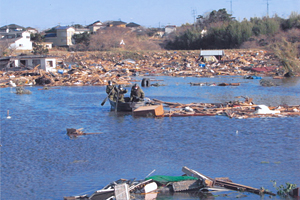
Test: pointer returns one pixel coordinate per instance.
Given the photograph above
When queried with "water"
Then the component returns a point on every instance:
(39, 160)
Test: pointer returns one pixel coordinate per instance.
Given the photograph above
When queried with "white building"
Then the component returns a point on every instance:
(170, 29)
(17, 40)
(62, 36)
(45, 62)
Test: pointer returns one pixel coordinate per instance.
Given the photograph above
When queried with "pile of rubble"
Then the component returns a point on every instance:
(151, 187)
(96, 68)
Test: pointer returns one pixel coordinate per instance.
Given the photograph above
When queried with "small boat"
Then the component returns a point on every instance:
(126, 106)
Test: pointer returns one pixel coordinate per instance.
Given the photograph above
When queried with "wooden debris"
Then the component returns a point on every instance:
(149, 111)
(72, 132)
(235, 109)
(222, 182)
(96, 68)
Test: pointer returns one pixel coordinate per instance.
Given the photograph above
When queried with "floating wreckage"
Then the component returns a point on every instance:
(232, 109)
(192, 181)
(73, 133)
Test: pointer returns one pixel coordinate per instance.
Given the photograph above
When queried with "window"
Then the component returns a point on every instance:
(20, 45)
(50, 63)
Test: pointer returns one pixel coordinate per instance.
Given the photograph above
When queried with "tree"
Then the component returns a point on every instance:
(39, 49)
(288, 55)
(292, 22)
(82, 38)
(110, 38)
(36, 37)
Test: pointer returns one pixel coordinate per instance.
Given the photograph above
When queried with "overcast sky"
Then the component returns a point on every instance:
(43, 14)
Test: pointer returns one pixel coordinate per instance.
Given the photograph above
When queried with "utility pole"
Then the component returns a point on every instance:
(267, 8)
(194, 16)
(231, 7)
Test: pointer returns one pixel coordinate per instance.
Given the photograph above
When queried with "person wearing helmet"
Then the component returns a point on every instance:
(136, 94)
(110, 90)
(119, 95)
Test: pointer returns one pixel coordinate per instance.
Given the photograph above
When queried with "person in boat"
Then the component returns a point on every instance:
(136, 94)
(110, 90)
(119, 95)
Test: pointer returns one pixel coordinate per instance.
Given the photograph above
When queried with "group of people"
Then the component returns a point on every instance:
(116, 93)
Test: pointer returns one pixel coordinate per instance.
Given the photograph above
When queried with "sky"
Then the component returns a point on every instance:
(44, 14)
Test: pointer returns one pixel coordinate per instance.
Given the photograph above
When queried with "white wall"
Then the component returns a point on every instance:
(23, 43)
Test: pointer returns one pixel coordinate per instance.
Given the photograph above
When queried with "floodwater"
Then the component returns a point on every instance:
(39, 160)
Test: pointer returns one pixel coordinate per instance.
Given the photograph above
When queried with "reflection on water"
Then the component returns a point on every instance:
(39, 161)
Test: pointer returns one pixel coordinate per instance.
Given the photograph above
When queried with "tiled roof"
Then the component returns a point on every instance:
(11, 26)
(63, 27)
(132, 24)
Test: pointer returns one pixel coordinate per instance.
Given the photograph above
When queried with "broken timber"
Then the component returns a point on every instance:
(72, 132)
(209, 182)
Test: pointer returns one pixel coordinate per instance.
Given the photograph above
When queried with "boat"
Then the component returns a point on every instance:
(126, 106)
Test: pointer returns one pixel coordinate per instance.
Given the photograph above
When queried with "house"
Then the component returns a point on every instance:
(211, 55)
(16, 40)
(15, 63)
(116, 24)
(32, 30)
(47, 45)
(61, 37)
(170, 29)
(81, 30)
(133, 26)
(11, 28)
(95, 26)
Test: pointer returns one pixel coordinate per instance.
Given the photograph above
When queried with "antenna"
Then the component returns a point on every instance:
(267, 8)
(194, 12)
(231, 7)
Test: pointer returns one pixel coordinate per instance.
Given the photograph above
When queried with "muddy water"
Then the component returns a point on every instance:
(39, 161)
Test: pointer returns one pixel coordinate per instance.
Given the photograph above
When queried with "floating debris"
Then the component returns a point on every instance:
(192, 181)
(73, 133)
(21, 90)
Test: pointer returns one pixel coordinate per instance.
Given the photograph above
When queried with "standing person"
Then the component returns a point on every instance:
(136, 94)
(110, 90)
(119, 95)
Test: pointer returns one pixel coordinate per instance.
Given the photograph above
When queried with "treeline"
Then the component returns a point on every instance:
(219, 30)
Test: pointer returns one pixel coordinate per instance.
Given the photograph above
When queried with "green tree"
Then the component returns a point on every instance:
(292, 22)
(39, 49)
(36, 37)
(82, 38)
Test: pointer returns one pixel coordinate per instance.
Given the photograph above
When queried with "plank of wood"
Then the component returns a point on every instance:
(208, 181)
(239, 187)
